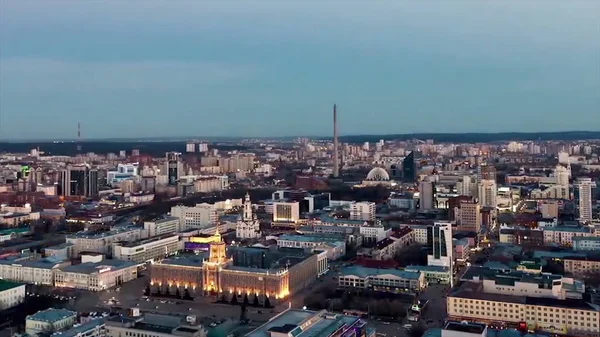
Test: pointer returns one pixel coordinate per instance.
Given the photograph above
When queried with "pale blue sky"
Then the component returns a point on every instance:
(271, 68)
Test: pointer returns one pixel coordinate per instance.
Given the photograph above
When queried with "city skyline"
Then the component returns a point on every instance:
(259, 69)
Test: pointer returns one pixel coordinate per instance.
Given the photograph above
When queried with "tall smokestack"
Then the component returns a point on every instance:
(336, 160)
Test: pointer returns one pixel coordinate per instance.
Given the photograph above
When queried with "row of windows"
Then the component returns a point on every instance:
(588, 324)
(530, 307)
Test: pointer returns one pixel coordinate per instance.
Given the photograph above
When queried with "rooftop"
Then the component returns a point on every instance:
(568, 229)
(51, 315)
(98, 267)
(6, 285)
(100, 235)
(83, 328)
(305, 323)
(434, 269)
(364, 272)
(474, 291)
(148, 240)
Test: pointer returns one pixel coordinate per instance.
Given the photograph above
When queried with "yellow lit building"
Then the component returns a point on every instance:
(219, 276)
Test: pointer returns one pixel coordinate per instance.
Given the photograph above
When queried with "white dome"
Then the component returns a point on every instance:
(378, 174)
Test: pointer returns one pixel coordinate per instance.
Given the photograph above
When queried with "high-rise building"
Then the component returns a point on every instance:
(409, 168)
(426, 193)
(362, 211)
(486, 172)
(464, 187)
(190, 147)
(487, 192)
(174, 167)
(286, 211)
(469, 216)
(200, 216)
(585, 186)
(336, 150)
(439, 240)
(79, 181)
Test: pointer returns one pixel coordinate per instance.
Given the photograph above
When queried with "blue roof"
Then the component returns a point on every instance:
(435, 269)
(364, 272)
(51, 315)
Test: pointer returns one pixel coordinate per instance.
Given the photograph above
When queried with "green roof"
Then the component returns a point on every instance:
(5, 285)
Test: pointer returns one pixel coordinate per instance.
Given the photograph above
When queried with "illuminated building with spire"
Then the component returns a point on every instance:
(238, 271)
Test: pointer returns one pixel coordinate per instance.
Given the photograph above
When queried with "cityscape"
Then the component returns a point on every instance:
(365, 228)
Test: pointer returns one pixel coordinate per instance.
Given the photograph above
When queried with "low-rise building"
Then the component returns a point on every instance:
(162, 226)
(420, 233)
(335, 246)
(101, 242)
(563, 235)
(92, 328)
(151, 249)
(580, 266)
(50, 321)
(153, 325)
(11, 294)
(384, 280)
(560, 316)
(32, 271)
(96, 276)
(295, 322)
(64, 251)
(586, 243)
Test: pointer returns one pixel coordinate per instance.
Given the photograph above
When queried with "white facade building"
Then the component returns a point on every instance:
(11, 294)
(426, 193)
(199, 216)
(166, 225)
(49, 321)
(248, 226)
(488, 193)
(374, 233)
(151, 249)
(585, 186)
(442, 245)
(101, 242)
(286, 211)
(364, 211)
(96, 276)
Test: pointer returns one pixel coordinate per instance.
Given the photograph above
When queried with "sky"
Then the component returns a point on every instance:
(275, 68)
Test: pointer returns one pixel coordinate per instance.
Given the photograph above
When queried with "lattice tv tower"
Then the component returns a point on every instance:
(78, 137)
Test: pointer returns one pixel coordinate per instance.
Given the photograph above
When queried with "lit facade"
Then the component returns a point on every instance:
(218, 276)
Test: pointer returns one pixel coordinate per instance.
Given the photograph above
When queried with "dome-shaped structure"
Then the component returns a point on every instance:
(378, 174)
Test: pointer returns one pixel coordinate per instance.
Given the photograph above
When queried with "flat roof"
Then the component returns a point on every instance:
(363, 272)
(95, 267)
(466, 327)
(87, 326)
(51, 315)
(474, 291)
(6, 285)
(148, 240)
(290, 320)
(100, 235)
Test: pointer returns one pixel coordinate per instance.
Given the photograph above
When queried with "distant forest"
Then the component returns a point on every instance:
(158, 148)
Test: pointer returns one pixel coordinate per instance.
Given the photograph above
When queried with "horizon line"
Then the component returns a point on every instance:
(190, 138)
